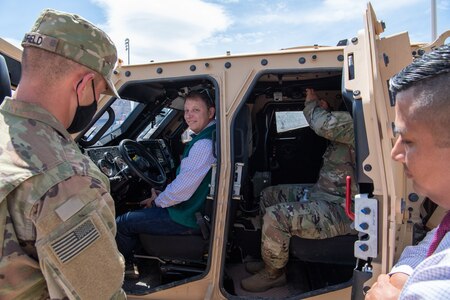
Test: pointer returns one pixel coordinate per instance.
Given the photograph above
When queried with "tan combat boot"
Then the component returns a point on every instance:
(265, 279)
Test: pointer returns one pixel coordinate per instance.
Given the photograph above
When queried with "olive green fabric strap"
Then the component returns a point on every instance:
(3, 209)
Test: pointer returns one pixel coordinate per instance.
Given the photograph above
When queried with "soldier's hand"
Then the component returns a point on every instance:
(311, 95)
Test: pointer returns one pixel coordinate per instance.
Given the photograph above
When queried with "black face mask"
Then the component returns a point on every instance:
(83, 114)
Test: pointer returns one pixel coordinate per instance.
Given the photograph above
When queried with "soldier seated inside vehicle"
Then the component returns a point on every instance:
(315, 212)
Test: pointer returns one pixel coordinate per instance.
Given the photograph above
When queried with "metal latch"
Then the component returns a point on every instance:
(212, 185)
(237, 180)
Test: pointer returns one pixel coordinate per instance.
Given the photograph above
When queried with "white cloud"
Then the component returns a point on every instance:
(325, 13)
(162, 30)
(179, 29)
(227, 1)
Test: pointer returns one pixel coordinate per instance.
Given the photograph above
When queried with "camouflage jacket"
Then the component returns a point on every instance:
(339, 157)
(59, 225)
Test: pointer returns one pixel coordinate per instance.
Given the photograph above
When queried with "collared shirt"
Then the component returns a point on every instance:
(429, 277)
(192, 171)
(412, 256)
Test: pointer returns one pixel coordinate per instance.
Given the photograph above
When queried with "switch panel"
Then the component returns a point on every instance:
(366, 222)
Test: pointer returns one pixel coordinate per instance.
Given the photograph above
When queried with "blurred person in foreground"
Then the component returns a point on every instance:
(56, 215)
(422, 122)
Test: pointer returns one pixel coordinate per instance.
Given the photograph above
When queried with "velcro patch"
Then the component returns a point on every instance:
(69, 208)
(40, 40)
(75, 241)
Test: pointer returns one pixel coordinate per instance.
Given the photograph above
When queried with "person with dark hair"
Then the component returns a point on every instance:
(422, 122)
(172, 211)
(57, 230)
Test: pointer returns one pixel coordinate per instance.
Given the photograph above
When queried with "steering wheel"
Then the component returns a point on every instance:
(141, 163)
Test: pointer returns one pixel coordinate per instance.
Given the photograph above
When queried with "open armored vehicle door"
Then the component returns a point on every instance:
(391, 218)
(10, 59)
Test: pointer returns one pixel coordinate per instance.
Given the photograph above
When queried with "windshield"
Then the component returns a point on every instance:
(153, 126)
(122, 109)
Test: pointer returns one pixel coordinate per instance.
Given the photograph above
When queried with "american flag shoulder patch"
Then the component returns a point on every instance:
(75, 241)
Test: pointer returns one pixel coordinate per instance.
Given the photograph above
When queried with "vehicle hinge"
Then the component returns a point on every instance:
(212, 185)
(237, 181)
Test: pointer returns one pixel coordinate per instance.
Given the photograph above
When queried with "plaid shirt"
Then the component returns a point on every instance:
(429, 277)
(192, 171)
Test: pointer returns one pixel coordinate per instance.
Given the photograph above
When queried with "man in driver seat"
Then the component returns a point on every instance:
(172, 211)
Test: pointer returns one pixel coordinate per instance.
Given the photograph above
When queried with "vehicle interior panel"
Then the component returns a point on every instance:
(283, 156)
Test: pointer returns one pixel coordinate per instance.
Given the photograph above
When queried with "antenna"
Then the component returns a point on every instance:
(433, 20)
(127, 48)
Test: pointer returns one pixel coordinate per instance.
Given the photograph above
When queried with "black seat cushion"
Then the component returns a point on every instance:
(179, 247)
(5, 83)
(336, 250)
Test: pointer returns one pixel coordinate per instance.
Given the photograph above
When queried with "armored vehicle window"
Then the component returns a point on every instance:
(121, 110)
(154, 125)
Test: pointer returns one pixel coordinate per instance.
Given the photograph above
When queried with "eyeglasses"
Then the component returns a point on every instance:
(210, 99)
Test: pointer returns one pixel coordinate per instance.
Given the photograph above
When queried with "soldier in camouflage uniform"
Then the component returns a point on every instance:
(287, 213)
(57, 218)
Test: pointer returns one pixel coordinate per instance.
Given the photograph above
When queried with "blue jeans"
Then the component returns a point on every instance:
(153, 220)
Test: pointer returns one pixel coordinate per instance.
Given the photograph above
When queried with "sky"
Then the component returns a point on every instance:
(161, 30)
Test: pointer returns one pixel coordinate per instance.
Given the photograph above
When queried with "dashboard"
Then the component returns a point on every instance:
(110, 161)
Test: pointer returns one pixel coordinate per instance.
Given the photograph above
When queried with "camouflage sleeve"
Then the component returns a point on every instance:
(75, 230)
(334, 126)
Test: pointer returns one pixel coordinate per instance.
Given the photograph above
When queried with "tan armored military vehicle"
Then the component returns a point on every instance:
(262, 139)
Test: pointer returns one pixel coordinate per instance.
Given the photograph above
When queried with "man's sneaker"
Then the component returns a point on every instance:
(264, 280)
(131, 271)
(254, 267)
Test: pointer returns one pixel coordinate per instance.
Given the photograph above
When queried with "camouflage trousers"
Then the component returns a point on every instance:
(322, 216)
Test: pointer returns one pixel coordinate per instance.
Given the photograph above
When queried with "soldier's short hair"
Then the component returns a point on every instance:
(428, 79)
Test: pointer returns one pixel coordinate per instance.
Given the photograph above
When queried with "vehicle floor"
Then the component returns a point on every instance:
(301, 278)
(153, 276)
(149, 278)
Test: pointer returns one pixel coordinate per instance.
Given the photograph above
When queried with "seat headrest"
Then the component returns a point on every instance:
(5, 82)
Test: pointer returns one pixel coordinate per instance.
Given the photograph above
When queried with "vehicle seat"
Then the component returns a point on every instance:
(5, 82)
(243, 149)
(171, 247)
(181, 256)
(337, 250)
